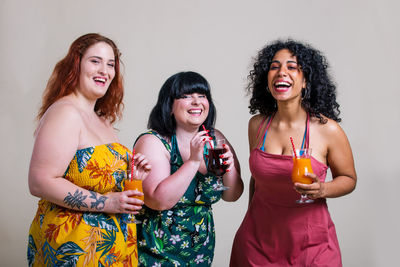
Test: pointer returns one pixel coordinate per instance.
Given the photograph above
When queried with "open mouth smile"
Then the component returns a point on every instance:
(195, 112)
(282, 86)
(100, 80)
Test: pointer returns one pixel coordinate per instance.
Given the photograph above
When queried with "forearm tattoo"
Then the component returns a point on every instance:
(76, 200)
(99, 203)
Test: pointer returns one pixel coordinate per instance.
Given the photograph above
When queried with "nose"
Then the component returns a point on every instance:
(282, 71)
(103, 69)
(195, 99)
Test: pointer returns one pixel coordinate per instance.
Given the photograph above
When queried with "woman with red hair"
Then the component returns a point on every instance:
(77, 164)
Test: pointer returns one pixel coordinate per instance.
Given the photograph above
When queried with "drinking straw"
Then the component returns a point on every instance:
(211, 145)
(132, 163)
(127, 160)
(294, 149)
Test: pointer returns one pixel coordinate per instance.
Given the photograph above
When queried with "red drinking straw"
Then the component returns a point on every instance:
(132, 163)
(204, 128)
(294, 149)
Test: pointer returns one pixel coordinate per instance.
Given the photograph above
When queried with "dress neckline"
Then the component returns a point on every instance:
(174, 146)
(94, 147)
(286, 156)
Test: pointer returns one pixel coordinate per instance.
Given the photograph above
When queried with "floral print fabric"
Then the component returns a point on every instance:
(63, 237)
(185, 234)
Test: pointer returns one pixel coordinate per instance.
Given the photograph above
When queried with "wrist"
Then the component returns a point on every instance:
(193, 163)
(323, 190)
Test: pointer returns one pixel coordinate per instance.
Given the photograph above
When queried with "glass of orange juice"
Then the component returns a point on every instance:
(302, 165)
(133, 182)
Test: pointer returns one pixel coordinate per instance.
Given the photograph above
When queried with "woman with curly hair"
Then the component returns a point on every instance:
(295, 97)
(77, 164)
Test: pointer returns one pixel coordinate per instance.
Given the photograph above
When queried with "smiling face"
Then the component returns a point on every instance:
(285, 77)
(97, 70)
(190, 110)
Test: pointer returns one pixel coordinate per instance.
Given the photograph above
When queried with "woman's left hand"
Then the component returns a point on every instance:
(314, 190)
(228, 158)
(142, 166)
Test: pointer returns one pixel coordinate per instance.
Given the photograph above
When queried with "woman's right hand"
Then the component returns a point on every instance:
(197, 146)
(124, 202)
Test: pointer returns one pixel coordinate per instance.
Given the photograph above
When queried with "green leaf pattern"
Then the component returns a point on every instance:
(65, 247)
(83, 156)
(183, 235)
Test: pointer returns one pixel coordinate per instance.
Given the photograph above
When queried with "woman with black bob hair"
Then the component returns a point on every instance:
(177, 86)
(295, 98)
(178, 226)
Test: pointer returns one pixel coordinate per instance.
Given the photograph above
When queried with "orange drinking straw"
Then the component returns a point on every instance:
(294, 149)
(204, 128)
(132, 163)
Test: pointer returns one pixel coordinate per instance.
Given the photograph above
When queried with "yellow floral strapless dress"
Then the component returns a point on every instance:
(64, 237)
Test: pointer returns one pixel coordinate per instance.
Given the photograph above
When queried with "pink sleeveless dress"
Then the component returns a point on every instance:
(277, 231)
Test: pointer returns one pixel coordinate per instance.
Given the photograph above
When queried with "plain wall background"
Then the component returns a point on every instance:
(217, 39)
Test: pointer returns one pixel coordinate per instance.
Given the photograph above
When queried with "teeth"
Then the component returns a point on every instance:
(194, 111)
(282, 84)
(100, 80)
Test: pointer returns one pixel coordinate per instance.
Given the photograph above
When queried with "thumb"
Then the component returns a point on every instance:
(313, 176)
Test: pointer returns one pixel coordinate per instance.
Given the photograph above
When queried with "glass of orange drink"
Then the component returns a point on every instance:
(301, 166)
(133, 182)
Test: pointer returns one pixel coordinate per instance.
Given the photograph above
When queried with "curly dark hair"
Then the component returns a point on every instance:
(319, 96)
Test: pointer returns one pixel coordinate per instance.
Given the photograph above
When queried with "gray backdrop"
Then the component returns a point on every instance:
(217, 39)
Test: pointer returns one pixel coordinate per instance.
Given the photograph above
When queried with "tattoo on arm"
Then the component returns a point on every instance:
(98, 203)
(76, 200)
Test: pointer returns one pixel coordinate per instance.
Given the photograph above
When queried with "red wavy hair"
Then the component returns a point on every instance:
(65, 77)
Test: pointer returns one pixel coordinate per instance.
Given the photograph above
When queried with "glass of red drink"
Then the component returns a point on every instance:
(215, 162)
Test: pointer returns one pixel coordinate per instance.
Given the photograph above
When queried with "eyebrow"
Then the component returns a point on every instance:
(289, 61)
(113, 60)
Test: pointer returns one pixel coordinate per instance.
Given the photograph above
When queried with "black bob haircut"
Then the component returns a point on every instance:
(319, 96)
(161, 119)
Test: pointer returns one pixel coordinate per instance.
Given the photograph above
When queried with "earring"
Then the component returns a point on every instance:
(305, 93)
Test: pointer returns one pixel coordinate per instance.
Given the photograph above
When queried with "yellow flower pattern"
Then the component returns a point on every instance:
(63, 237)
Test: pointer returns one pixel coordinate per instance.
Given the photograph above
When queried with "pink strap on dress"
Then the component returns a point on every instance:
(266, 129)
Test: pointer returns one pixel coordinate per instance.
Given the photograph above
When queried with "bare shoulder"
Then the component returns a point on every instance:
(57, 136)
(148, 143)
(330, 129)
(62, 115)
(148, 139)
(254, 125)
(218, 134)
(62, 111)
(329, 133)
(256, 120)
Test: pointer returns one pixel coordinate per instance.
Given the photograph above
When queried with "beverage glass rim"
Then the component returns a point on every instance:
(218, 142)
(306, 152)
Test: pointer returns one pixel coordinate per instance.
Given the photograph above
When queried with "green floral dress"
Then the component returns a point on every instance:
(183, 235)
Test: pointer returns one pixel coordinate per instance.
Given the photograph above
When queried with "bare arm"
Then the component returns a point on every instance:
(56, 142)
(232, 178)
(162, 189)
(254, 124)
(341, 162)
